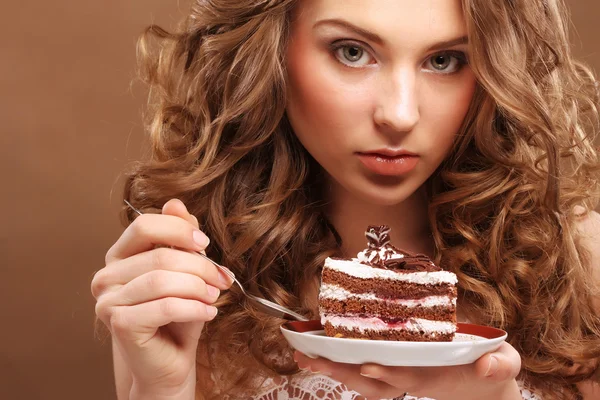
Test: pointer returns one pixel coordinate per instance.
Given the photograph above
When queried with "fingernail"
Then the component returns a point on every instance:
(492, 367)
(224, 278)
(212, 311)
(213, 292)
(369, 374)
(311, 356)
(307, 369)
(201, 239)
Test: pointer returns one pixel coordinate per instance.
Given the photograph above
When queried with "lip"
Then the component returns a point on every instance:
(389, 162)
(389, 153)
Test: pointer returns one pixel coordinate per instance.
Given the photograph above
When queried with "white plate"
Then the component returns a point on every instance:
(470, 343)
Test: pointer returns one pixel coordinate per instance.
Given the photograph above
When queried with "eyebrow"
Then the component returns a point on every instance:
(373, 37)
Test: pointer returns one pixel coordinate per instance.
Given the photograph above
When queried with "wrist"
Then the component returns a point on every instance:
(142, 392)
(504, 391)
(509, 391)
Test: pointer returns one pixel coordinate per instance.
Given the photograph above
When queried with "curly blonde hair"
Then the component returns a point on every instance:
(501, 204)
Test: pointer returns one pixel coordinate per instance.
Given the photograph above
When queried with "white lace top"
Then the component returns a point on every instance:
(320, 387)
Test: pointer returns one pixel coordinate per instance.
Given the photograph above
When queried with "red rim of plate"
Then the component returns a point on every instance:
(469, 329)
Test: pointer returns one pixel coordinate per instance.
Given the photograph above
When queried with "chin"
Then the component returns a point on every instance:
(383, 196)
(378, 191)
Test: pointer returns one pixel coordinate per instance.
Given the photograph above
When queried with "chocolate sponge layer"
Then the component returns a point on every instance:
(398, 335)
(386, 310)
(386, 288)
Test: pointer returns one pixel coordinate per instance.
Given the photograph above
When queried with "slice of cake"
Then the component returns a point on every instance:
(387, 294)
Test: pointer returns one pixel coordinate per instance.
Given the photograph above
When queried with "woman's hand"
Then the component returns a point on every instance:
(491, 377)
(155, 300)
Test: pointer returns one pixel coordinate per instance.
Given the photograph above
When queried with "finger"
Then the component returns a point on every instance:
(502, 365)
(141, 321)
(149, 230)
(177, 208)
(123, 271)
(407, 379)
(161, 284)
(349, 375)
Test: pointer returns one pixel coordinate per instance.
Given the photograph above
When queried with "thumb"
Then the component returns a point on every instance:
(502, 365)
(175, 207)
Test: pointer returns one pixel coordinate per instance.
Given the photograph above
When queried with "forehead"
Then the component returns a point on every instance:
(406, 23)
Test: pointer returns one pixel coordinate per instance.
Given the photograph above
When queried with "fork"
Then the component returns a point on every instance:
(261, 304)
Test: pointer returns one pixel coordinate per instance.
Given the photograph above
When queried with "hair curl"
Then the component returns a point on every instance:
(501, 204)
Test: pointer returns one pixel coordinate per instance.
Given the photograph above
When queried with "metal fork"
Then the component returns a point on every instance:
(263, 305)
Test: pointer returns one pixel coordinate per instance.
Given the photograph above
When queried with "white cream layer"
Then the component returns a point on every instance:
(356, 269)
(413, 325)
(335, 292)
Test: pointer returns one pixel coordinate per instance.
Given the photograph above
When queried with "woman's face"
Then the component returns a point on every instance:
(378, 90)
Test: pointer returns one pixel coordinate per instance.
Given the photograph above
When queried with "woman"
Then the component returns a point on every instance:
(285, 128)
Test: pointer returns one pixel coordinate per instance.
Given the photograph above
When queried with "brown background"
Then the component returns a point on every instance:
(69, 122)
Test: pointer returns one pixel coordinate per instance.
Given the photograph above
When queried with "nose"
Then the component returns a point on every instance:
(397, 109)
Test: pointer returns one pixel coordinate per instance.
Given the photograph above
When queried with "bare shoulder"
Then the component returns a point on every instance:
(588, 232)
(589, 390)
(588, 227)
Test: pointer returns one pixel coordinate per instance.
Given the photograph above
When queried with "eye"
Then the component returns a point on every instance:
(352, 54)
(446, 63)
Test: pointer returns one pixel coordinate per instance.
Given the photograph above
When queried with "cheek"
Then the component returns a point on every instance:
(320, 104)
(445, 114)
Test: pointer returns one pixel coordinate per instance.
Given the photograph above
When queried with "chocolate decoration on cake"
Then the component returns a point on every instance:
(417, 262)
(378, 236)
(380, 253)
